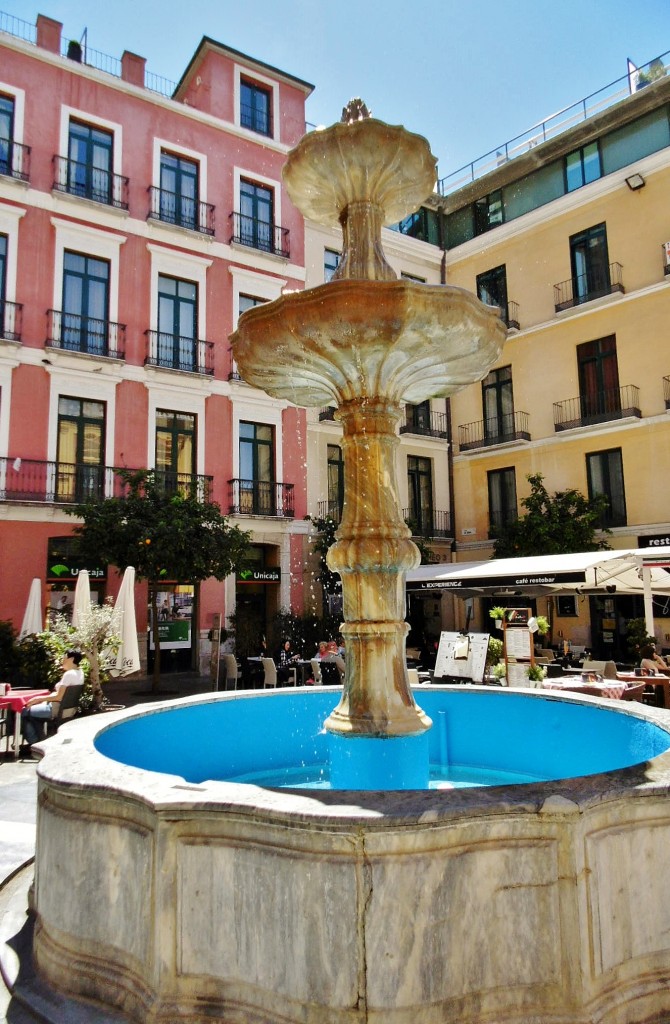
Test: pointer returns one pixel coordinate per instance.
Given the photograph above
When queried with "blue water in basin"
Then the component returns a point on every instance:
(478, 738)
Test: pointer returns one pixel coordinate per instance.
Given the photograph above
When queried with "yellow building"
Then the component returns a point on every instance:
(571, 238)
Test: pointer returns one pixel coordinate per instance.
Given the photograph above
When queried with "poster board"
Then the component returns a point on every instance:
(518, 643)
(462, 656)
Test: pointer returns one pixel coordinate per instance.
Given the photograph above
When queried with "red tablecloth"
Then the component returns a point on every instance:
(17, 699)
(608, 688)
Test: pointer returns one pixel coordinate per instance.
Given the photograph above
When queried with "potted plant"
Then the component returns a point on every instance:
(497, 613)
(542, 624)
(499, 672)
(536, 673)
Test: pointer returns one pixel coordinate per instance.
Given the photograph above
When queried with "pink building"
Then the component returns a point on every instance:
(134, 228)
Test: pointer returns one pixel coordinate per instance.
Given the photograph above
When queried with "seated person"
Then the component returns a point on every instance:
(41, 709)
(651, 662)
(322, 650)
(284, 658)
(332, 654)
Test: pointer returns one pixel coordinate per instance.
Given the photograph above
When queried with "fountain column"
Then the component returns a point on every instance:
(372, 553)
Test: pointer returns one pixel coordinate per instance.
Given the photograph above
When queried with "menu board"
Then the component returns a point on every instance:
(462, 656)
(517, 643)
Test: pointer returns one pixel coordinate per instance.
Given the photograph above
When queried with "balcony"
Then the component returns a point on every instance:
(14, 160)
(513, 426)
(600, 407)
(63, 483)
(260, 498)
(85, 334)
(233, 372)
(510, 316)
(260, 234)
(428, 424)
(10, 321)
(181, 211)
(586, 287)
(327, 414)
(175, 352)
(88, 182)
(330, 510)
(428, 525)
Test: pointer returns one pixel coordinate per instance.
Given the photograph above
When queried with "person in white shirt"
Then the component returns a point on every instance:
(41, 709)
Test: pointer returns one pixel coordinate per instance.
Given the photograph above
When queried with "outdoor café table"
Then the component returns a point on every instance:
(16, 700)
(614, 688)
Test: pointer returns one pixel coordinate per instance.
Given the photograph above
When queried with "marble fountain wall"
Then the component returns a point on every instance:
(542, 904)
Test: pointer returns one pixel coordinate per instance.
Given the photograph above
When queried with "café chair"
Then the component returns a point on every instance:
(66, 708)
(232, 672)
(634, 692)
(316, 671)
(269, 672)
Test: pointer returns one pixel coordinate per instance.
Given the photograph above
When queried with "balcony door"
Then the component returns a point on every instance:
(175, 451)
(498, 404)
(179, 191)
(256, 218)
(90, 162)
(80, 452)
(335, 482)
(420, 490)
(599, 392)
(177, 323)
(6, 133)
(85, 322)
(256, 469)
(590, 264)
(492, 289)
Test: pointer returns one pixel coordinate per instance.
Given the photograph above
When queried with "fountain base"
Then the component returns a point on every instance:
(378, 763)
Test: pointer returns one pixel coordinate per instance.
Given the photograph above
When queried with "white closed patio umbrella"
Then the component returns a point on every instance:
(32, 619)
(82, 598)
(127, 659)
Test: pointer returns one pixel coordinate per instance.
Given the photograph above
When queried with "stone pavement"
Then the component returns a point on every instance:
(23, 999)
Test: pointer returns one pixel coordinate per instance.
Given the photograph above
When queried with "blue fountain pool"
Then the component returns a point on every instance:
(480, 737)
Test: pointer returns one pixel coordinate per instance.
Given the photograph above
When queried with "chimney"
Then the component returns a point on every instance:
(132, 68)
(48, 33)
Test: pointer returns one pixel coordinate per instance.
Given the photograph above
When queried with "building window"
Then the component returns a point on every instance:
(6, 134)
(599, 392)
(420, 491)
(492, 288)
(256, 469)
(498, 404)
(256, 216)
(255, 108)
(488, 212)
(85, 320)
(582, 166)
(179, 191)
(175, 450)
(80, 451)
(589, 264)
(177, 323)
(413, 278)
(335, 482)
(502, 498)
(417, 417)
(246, 302)
(331, 261)
(605, 476)
(89, 172)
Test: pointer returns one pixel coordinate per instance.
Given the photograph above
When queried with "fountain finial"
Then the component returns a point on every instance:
(355, 110)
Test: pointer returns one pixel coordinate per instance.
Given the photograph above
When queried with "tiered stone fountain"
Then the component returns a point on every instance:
(174, 896)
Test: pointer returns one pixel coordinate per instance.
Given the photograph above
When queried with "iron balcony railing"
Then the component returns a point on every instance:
(330, 510)
(175, 352)
(11, 314)
(86, 334)
(260, 498)
(666, 391)
(233, 372)
(181, 211)
(72, 483)
(513, 426)
(429, 424)
(428, 524)
(598, 407)
(89, 182)
(510, 315)
(14, 160)
(586, 287)
(260, 234)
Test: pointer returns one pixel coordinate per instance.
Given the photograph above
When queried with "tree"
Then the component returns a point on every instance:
(165, 536)
(97, 635)
(553, 524)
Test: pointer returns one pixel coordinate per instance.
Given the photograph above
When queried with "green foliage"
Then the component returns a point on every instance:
(494, 651)
(163, 535)
(536, 673)
(304, 631)
(637, 636)
(542, 624)
(96, 635)
(497, 613)
(9, 664)
(40, 656)
(499, 671)
(553, 524)
(326, 528)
